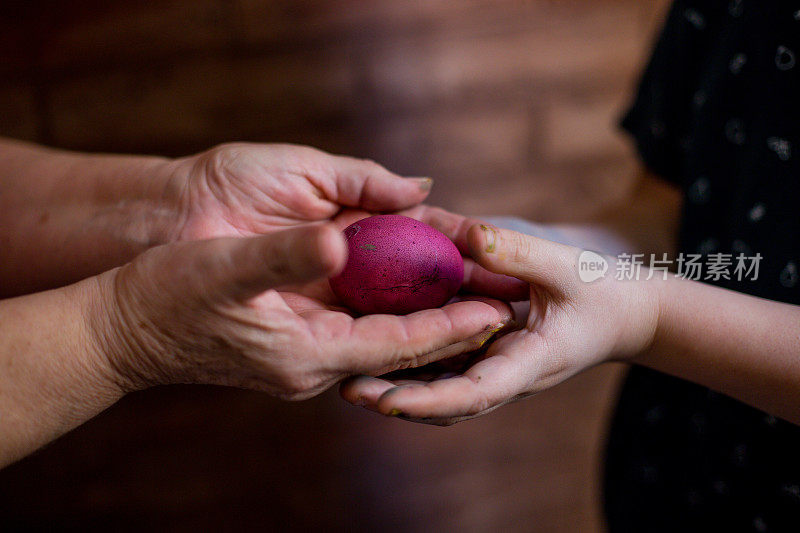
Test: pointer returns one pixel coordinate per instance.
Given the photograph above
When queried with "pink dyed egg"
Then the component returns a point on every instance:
(397, 265)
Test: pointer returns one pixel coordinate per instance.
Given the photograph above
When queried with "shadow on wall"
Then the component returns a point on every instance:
(508, 102)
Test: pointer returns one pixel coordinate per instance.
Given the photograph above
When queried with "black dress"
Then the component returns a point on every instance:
(717, 113)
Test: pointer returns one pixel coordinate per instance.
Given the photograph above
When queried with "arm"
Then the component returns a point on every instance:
(743, 346)
(746, 347)
(242, 310)
(65, 216)
(54, 379)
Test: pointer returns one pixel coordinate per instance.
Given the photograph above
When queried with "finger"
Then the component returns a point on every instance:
(476, 278)
(319, 289)
(494, 381)
(389, 342)
(504, 309)
(301, 303)
(345, 217)
(466, 346)
(364, 391)
(530, 259)
(241, 268)
(452, 225)
(366, 184)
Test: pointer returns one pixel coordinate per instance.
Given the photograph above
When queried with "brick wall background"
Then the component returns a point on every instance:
(509, 104)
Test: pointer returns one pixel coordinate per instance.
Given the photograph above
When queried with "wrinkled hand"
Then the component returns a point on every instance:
(293, 340)
(245, 189)
(241, 189)
(570, 327)
(209, 312)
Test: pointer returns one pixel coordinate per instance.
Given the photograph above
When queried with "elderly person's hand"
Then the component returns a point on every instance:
(95, 212)
(248, 189)
(75, 215)
(251, 189)
(213, 312)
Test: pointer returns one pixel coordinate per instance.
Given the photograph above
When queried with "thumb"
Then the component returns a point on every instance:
(242, 268)
(365, 184)
(538, 261)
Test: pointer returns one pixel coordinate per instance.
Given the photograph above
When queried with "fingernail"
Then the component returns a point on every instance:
(484, 339)
(424, 184)
(497, 327)
(490, 331)
(395, 412)
(491, 237)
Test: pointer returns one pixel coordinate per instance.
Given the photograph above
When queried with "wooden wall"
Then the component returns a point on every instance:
(509, 104)
(522, 94)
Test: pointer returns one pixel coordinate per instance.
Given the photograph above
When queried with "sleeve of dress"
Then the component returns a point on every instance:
(659, 116)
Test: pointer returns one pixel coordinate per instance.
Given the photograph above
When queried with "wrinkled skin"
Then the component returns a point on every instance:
(258, 312)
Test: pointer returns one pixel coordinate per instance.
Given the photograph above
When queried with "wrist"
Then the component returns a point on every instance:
(95, 364)
(641, 310)
(167, 199)
(134, 200)
(55, 376)
(665, 294)
(114, 331)
(91, 212)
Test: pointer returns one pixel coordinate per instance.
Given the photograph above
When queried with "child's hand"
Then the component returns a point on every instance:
(572, 325)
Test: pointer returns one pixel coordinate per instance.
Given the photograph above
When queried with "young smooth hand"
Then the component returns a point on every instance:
(570, 327)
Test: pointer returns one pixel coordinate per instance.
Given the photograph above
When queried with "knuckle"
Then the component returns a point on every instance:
(294, 386)
(479, 402)
(446, 222)
(224, 158)
(436, 214)
(404, 360)
(523, 248)
(291, 396)
(303, 150)
(307, 160)
(407, 358)
(225, 149)
(373, 169)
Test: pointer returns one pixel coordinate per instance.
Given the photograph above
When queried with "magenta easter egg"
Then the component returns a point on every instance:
(397, 265)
